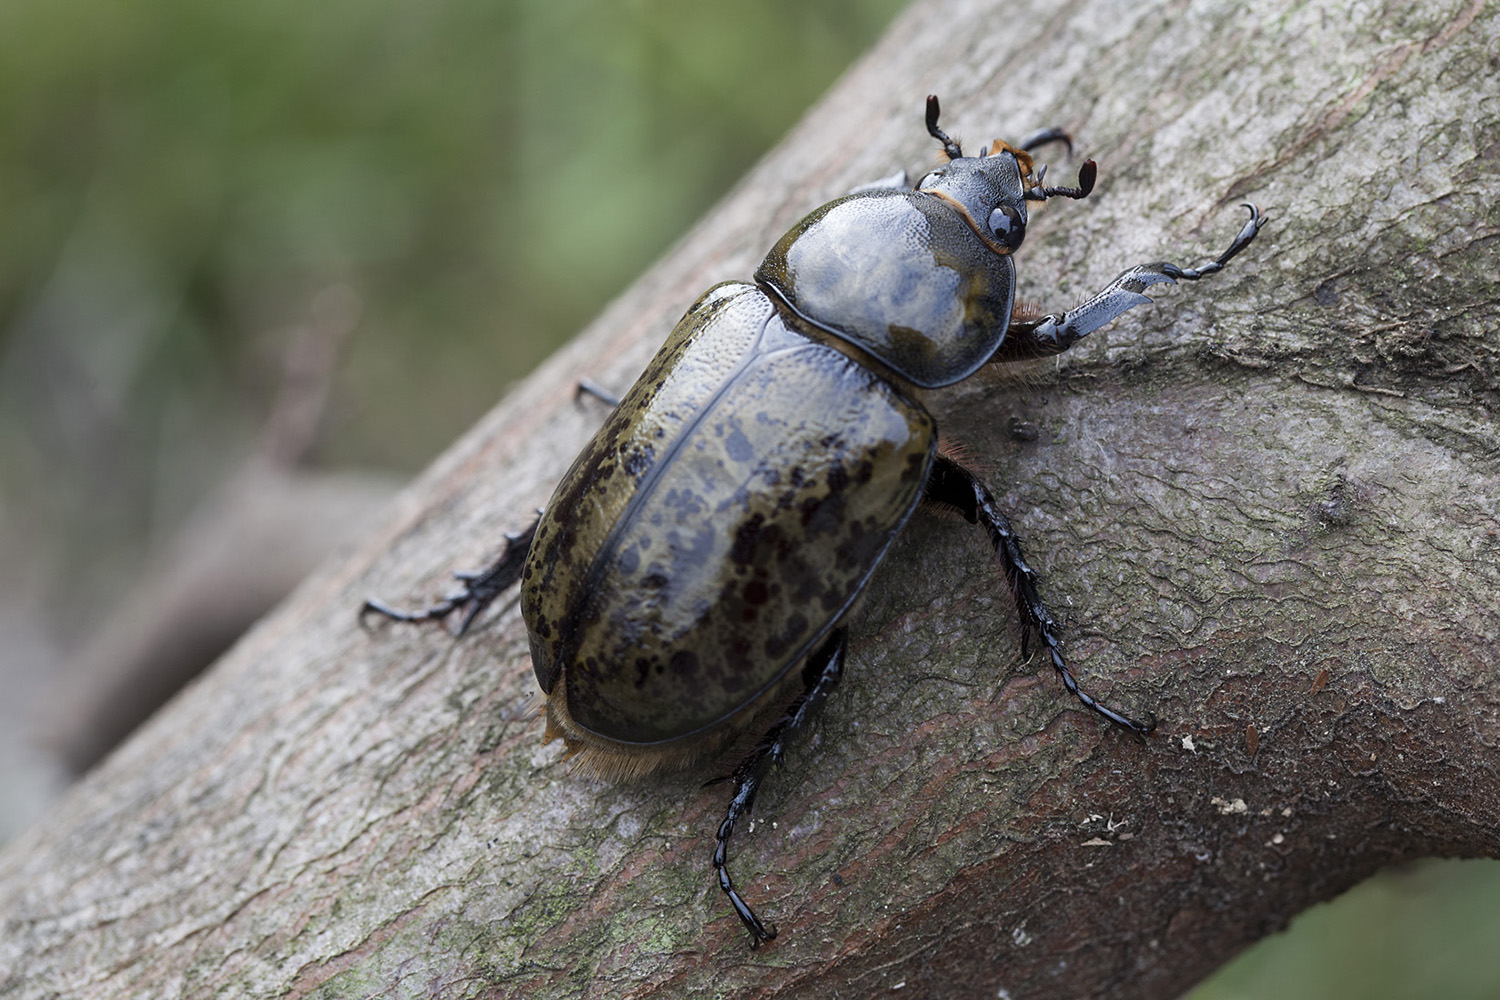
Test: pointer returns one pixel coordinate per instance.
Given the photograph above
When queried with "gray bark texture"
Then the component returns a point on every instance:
(1267, 509)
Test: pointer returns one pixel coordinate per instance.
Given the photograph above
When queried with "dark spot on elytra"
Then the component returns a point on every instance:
(831, 600)
(823, 515)
(685, 663)
(685, 503)
(738, 446)
(756, 592)
(861, 544)
(778, 647)
(752, 537)
(693, 549)
(639, 460)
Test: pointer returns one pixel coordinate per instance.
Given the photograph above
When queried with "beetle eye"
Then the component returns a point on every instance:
(1008, 226)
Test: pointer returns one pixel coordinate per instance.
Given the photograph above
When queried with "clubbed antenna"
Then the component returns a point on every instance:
(950, 148)
(1087, 174)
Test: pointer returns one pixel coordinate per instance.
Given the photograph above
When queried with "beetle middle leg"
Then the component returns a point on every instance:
(952, 485)
(480, 587)
(1032, 337)
(588, 387)
(820, 675)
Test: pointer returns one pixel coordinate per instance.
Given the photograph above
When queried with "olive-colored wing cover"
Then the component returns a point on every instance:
(899, 274)
(721, 521)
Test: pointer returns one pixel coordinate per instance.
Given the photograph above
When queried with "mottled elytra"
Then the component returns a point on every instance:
(689, 580)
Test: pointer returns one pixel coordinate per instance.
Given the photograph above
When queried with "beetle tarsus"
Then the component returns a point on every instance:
(821, 675)
(952, 485)
(480, 588)
(1241, 241)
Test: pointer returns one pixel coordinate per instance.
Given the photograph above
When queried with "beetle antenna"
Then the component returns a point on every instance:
(950, 148)
(1087, 174)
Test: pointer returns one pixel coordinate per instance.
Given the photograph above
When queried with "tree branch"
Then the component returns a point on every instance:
(1265, 507)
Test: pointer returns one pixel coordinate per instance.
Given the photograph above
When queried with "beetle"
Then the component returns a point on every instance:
(691, 577)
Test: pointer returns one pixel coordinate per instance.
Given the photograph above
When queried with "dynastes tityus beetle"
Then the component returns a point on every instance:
(690, 578)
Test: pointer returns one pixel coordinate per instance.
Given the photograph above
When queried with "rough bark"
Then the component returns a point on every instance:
(1266, 507)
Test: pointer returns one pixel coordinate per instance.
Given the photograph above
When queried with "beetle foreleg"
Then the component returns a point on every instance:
(954, 486)
(821, 674)
(1048, 335)
(480, 588)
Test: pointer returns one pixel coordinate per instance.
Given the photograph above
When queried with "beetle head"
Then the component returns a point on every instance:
(994, 187)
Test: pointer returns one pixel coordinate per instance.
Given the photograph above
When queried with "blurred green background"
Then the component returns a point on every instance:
(179, 181)
(182, 182)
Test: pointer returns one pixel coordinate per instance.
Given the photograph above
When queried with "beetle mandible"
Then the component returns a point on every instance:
(690, 578)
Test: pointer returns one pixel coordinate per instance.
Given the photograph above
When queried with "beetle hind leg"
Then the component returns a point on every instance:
(821, 675)
(480, 588)
(954, 486)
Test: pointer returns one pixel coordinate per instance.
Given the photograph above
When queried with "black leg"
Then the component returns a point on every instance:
(479, 591)
(588, 387)
(822, 673)
(951, 485)
(1048, 335)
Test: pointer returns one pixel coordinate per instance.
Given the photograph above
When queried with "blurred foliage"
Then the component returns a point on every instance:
(1426, 930)
(180, 179)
